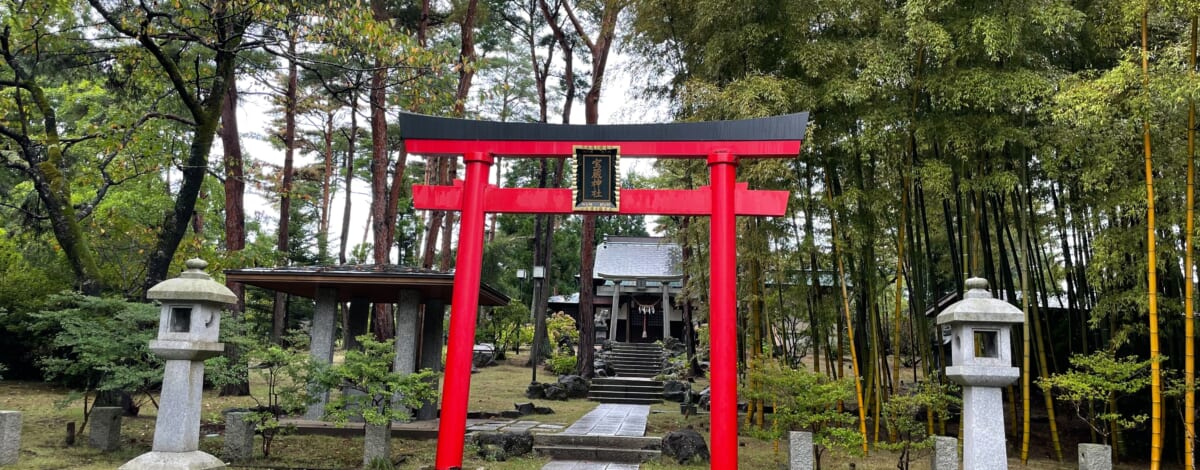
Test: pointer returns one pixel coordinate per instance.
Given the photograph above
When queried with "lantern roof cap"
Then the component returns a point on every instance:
(192, 284)
(978, 306)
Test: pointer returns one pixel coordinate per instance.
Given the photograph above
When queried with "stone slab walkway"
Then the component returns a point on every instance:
(612, 419)
(581, 465)
(608, 419)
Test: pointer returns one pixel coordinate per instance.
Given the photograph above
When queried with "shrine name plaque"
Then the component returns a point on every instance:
(597, 179)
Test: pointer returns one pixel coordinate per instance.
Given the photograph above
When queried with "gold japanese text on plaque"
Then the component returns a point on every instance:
(597, 179)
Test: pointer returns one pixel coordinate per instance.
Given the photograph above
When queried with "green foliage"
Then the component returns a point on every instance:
(561, 364)
(805, 401)
(385, 396)
(561, 329)
(502, 326)
(288, 373)
(1095, 384)
(102, 344)
(902, 415)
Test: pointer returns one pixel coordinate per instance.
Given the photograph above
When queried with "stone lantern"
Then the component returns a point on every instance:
(187, 335)
(981, 339)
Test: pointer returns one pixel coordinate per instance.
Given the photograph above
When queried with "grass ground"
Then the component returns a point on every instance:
(492, 389)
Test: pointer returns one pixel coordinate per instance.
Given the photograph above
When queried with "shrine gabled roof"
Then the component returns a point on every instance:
(374, 282)
(629, 258)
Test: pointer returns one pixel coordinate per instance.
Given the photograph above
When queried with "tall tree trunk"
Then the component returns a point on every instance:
(348, 176)
(326, 189)
(279, 313)
(235, 217)
(1156, 438)
(1189, 318)
(381, 226)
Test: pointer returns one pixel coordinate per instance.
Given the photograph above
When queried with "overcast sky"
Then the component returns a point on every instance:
(619, 104)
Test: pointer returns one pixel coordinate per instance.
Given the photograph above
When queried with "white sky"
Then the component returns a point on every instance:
(618, 105)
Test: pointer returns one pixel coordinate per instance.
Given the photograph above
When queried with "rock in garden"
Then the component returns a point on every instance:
(500, 446)
(675, 390)
(524, 408)
(577, 387)
(685, 445)
(484, 355)
(543, 410)
(554, 392)
(534, 391)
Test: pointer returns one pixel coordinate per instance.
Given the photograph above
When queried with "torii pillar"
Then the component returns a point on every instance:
(722, 143)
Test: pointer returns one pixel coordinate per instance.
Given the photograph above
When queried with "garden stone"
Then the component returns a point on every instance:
(10, 437)
(239, 435)
(106, 428)
(945, 453)
(543, 410)
(675, 390)
(500, 446)
(684, 445)
(577, 386)
(1095, 457)
(524, 408)
(534, 391)
(510, 414)
(800, 451)
(484, 355)
(377, 443)
(554, 392)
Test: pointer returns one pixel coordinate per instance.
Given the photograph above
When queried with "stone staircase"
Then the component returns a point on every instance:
(623, 449)
(636, 359)
(635, 366)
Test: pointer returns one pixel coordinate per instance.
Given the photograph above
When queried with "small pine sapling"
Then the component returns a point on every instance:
(903, 416)
(1095, 384)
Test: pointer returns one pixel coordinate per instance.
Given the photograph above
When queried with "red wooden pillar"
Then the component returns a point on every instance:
(456, 387)
(722, 317)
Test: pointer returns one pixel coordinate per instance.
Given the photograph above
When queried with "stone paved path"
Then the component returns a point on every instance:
(512, 426)
(608, 419)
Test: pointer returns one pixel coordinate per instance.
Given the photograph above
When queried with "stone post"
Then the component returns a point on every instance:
(800, 451)
(377, 444)
(239, 436)
(189, 326)
(105, 433)
(405, 362)
(1095, 457)
(324, 328)
(981, 332)
(10, 437)
(431, 350)
(945, 453)
(666, 301)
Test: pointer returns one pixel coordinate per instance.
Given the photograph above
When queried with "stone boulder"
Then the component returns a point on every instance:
(675, 390)
(577, 387)
(704, 398)
(501, 446)
(484, 355)
(554, 392)
(524, 408)
(685, 445)
(535, 391)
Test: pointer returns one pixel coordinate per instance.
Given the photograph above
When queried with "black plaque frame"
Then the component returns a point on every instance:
(597, 185)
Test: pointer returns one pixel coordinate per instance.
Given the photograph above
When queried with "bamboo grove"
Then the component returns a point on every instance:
(1045, 145)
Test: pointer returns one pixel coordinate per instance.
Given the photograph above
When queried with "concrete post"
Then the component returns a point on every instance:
(105, 431)
(800, 451)
(616, 306)
(324, 328)
(10, 437)
(945, 453)
(405, 361)
(239, 436)
(1095, 457)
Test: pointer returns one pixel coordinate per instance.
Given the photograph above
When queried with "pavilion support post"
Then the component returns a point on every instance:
(356, 322)
(408, 306)
(612, 312)
(431, 350)
(722, 316)
(464, 306)
(666, 301)
(320, 345)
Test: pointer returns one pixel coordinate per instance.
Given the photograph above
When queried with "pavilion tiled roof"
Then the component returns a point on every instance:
(633, 257)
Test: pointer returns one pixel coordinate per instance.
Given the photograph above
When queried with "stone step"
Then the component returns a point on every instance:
(627, 382)
(620, 369)
(601, 396)
(626, 388)
(597, 453)
(628, 401)
(637, 349)
(651, 358)
(608, 442)
(640, 375)
(618, 361)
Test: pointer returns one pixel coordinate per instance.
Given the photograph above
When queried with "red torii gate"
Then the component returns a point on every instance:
(722, 143)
